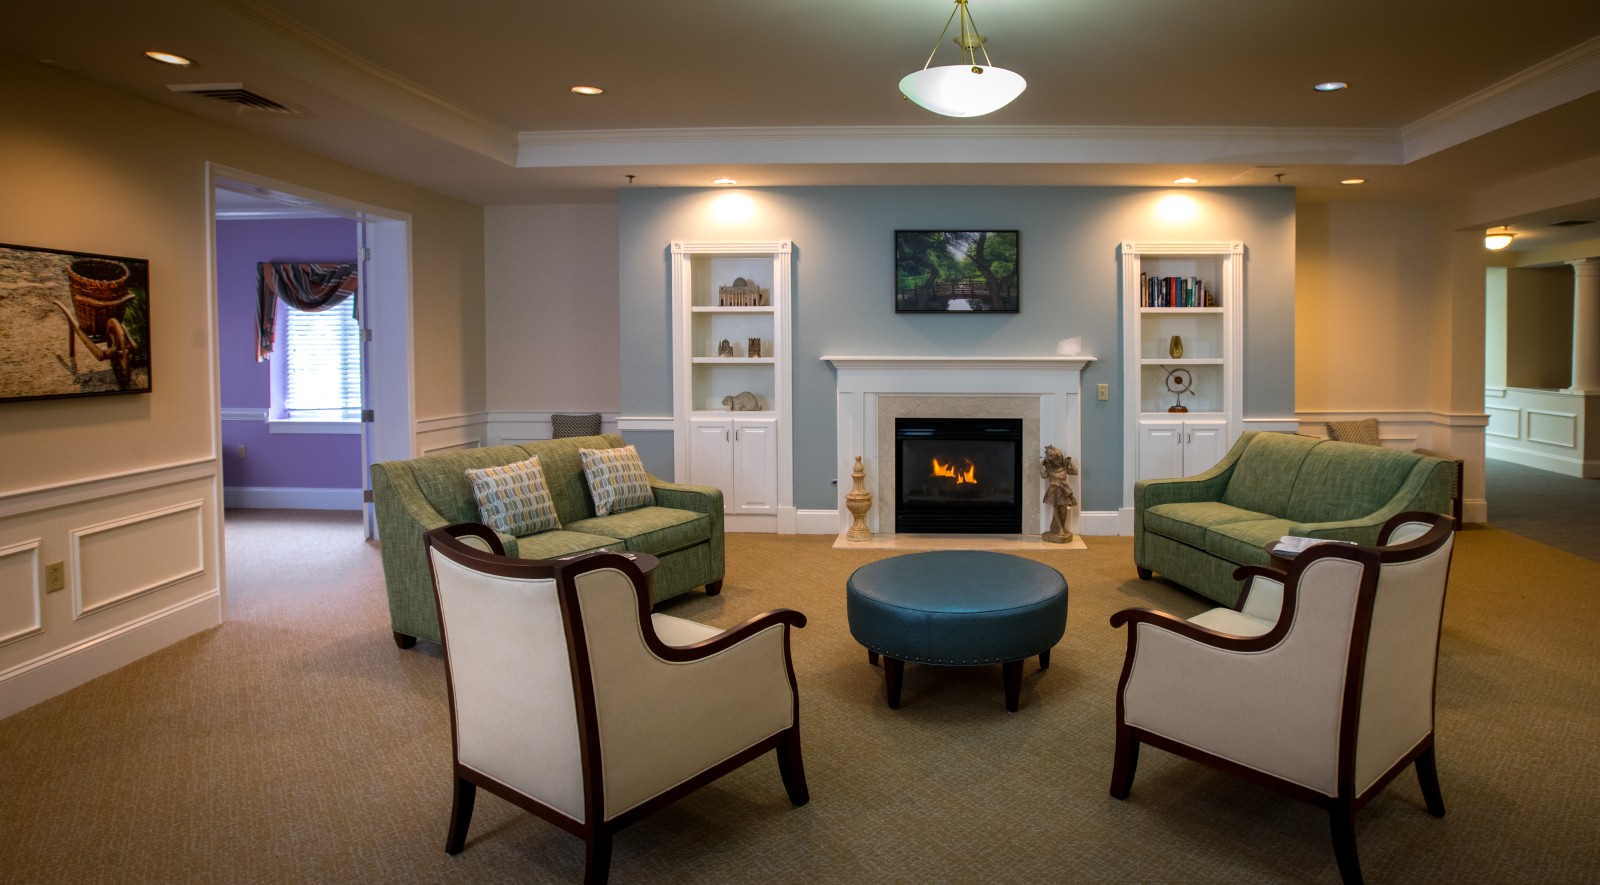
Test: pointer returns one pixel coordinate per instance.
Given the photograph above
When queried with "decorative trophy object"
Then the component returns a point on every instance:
(1179, 382)
(858, 502)
(755, 348)
(1176, 348)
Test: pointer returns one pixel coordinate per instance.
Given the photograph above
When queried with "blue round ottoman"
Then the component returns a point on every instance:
(957, 608)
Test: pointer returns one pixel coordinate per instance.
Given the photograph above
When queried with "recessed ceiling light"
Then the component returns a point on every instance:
(587, 90)
(1354, 181)
(1331, 86)
(1185, 180)
(169, 58)
(723, 181)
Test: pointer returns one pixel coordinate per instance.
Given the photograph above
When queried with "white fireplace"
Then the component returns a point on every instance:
(1045, 392)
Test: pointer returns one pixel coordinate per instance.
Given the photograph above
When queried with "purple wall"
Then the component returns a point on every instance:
(274, 460)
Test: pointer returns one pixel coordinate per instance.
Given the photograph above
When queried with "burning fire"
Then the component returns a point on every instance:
(968, 475)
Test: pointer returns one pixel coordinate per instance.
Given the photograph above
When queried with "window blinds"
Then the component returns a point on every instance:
(322, 373)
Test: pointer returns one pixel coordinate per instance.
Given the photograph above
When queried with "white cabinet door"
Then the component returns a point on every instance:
(1203, 446)
(711, 457)
(755, 467)
(1160, 451)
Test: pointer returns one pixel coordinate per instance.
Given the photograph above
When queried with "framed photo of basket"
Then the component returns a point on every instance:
(957, 271)
(72, 324)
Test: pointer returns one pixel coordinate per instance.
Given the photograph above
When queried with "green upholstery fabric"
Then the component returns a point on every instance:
(657, 530)
(1267, 471)
(1196, 531)
(683, 527)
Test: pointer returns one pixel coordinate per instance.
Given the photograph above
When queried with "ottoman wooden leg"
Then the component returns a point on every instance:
(1044, 659)
(1013, 679)
(872, 657)
(893, 673)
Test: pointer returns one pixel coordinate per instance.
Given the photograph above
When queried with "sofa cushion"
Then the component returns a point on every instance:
(514, 498)
(1245, 543)
(561, 542)
(442, 478)
(1363, 432)
(1188, 522)
(655, 530)
(617, 480)
(1344, 481)
(1265, 472)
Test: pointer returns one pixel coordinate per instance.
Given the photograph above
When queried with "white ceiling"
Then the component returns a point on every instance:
(470, 98)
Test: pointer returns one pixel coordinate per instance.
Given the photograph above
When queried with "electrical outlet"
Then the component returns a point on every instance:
(1104, 394)
(241, 453)
(55, 577)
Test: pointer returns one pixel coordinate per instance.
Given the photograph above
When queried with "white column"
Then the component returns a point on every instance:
(1585, 326)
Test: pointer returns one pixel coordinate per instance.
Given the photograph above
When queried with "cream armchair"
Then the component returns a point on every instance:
(571, 700)
(1321, 685)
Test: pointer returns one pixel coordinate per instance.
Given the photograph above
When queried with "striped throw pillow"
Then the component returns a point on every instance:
(617, 480)
(514, 498)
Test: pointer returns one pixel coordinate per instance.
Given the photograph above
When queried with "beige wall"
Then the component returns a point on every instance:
(125, 490)
(552, 300)
(1366, 316)
(1539, 327)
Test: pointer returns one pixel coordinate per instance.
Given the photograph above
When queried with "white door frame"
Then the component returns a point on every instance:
(386, 290)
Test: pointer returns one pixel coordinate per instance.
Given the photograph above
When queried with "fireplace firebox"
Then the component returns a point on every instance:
(958, 475)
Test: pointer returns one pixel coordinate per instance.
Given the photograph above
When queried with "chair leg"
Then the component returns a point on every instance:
(1342, 823)
(792, 768)
(713, 588)
(466, 793)
(894, 672)
(403, 641)
(1124, 764)
(1428, 779)
(1144, 573)
(597, 858)
(1011, 675)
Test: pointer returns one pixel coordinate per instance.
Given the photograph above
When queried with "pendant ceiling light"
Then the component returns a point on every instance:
(967, 89)
(1495, 240)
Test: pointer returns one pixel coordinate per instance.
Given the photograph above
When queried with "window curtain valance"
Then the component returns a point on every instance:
(302, 286)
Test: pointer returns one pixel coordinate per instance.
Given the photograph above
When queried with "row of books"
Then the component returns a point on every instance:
(1175, 292)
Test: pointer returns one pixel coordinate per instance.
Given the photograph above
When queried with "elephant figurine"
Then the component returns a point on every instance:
(744, 401)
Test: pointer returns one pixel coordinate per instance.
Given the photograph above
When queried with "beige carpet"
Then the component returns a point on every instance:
(295, 743)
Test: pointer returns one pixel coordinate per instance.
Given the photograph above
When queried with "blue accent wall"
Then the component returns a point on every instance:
(843, 296)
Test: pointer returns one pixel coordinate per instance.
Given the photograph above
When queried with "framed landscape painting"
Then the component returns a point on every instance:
(72, 324)
(956, 271)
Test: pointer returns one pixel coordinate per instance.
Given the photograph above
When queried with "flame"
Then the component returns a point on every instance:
(969, 475)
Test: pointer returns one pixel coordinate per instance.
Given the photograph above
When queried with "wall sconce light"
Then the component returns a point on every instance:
(1495, 240)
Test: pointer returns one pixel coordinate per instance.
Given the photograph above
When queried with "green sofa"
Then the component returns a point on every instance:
(683, 528)
(1196, 531)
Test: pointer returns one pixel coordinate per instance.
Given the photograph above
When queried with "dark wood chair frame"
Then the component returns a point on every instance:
(596, 831)
(1342, 807)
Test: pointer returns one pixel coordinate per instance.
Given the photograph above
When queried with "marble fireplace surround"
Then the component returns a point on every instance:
(1045, 392)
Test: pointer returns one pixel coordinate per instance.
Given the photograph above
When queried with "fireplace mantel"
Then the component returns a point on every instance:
(1050, 385)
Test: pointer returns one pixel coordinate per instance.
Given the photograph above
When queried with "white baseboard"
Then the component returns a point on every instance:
(1554, 463)
(61, 671)
(818, 522)
(292, 498)
(1103, 522)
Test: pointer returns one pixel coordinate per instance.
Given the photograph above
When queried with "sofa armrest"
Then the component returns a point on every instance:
(700, 499)
(1207, 486)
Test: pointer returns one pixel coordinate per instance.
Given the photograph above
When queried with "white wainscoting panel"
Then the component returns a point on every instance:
(1504, 422)
(118, 560)
(1553, 428)
(20, 590)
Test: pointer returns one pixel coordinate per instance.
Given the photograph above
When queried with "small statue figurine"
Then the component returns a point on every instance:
(725, 348)
(1055, 468)
(743, 401)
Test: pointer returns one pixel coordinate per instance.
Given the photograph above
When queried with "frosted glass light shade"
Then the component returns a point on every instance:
(955, 91)
(1495, 240)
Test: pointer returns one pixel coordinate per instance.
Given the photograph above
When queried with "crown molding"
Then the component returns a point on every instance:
(1564, 77)
(353, 77)
(964, 144)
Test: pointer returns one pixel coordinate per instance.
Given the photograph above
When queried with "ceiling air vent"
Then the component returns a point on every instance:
(1571, 222)
(242, 97)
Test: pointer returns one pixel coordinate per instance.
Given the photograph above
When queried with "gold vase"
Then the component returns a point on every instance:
(1176, 348)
